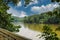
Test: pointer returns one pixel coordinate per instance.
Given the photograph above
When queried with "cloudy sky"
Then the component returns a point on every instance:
(35, 7)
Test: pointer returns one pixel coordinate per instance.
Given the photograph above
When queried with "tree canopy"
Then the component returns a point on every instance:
(55, 0)
(48, 34)
(5, 18)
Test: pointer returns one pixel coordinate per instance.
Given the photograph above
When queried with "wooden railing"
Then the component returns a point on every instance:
(6, 35)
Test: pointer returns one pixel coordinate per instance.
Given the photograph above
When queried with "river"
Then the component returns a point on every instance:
(31, 30)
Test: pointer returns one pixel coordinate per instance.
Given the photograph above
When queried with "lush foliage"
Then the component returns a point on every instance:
(48, 34)
(55, 0)
(51, 17)
(5, 18)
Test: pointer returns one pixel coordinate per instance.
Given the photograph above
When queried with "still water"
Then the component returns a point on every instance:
(32, 30)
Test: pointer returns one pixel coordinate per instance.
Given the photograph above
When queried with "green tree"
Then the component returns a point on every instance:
(5, 18)
(48, 34)
(55, 0)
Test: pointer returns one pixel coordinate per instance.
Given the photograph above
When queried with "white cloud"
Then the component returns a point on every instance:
(17, 13)
(22, 14)
(12, 11)
(43, 8)
(35, 9)
(34, 2)
(19, 4)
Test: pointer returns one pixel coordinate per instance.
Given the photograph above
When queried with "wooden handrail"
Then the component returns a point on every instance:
(10, 36)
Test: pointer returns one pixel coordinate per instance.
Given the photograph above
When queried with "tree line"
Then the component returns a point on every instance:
(51, 17)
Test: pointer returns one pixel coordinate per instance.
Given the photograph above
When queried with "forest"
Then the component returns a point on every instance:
(51, 17)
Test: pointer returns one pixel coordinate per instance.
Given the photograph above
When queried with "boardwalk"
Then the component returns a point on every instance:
(6, 35)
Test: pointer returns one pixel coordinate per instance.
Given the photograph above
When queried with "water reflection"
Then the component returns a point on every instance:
(26, 32)
(32, 30)
(35, 27)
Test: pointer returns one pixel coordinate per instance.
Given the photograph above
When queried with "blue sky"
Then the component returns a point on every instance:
(35, 7)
